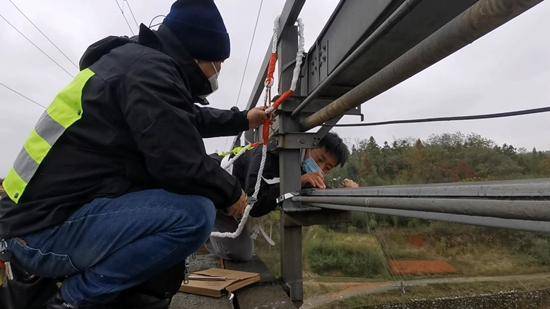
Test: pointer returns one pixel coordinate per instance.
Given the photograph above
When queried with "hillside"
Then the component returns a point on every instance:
(441, 158)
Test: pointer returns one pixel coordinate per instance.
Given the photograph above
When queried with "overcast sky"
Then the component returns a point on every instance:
(506, 70)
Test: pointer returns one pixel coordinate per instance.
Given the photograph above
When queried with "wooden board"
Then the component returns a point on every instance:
(234, 280)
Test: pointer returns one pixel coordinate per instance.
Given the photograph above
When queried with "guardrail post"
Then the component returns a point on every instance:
(290, 172)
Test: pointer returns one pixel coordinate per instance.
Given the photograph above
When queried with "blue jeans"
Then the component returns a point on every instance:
(113, 244)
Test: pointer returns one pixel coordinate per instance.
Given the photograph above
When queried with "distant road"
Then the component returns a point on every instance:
(367, 288)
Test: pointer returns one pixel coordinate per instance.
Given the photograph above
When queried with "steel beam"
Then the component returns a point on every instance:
(362, 37)
(508, 209)
(524, 225)
(483, 17)
(396, 15)
(516, 189)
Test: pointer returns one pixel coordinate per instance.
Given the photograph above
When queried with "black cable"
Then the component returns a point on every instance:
(132, 13)
(36, 46)
(43, 34)
(249, 52)
(124, 16)
(21, 95)
(247, 59)
(455, 118)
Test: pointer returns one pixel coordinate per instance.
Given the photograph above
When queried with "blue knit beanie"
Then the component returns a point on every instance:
(199, 26)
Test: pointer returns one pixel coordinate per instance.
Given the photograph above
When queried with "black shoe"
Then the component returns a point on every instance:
(140, 301)
(58, 303)
(27, 294)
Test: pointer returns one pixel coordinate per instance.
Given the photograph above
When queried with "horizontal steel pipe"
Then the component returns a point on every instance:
(524, 225)
(478, 20)
(518, 189)
(508, 209)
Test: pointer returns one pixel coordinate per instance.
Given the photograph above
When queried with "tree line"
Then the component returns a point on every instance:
(441, 158)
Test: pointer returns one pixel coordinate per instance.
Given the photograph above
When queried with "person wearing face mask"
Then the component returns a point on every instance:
(114, 185)
(316, 164)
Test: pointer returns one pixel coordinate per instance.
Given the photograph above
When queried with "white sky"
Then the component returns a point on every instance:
(506, 70)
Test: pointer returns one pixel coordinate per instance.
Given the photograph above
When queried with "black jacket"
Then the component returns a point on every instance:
(246, 170)
(140, 130)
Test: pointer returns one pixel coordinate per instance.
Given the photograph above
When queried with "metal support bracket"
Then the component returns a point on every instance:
(297, 141)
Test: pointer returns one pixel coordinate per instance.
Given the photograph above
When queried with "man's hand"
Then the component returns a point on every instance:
(237, 210)
(256, 117)
(316, 180)
(348, 183)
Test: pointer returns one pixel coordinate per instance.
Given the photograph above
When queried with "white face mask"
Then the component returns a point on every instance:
(214, 79)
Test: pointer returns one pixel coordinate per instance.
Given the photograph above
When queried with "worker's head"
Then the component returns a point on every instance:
(331, 152)
(200, 28)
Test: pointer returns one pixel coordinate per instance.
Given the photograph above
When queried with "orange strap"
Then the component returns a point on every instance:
(267, 122)
(271, 68)
(282, 99)
(265, 132)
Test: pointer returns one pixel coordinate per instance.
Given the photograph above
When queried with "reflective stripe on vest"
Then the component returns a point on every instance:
(65, 110)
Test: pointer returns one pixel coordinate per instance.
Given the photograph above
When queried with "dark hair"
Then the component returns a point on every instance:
(335, 145)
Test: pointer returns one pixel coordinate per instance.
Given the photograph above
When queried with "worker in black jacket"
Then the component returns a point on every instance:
(114, 185)
(316, 164)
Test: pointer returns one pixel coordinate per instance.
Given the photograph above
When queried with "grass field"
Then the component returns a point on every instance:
(471, 250)
(335, 259)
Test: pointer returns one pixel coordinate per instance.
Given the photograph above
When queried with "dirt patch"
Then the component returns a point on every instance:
(420, 267)
(417, 241)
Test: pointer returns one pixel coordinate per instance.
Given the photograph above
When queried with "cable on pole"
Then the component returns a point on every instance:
(125, 19)
(452, 118)
(132, 13)
(249, 52)
(21, 95)
(44, 35)
(36, 46)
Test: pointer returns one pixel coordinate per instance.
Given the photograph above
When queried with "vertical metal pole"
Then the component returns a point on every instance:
(289, 167)
(291, 234)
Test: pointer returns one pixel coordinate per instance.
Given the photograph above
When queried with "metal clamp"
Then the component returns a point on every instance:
(286, 196)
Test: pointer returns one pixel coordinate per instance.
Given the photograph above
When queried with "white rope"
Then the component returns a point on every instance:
(259, 230)
(226, 165)
(248, 208)
(299, 55)
(275, 39)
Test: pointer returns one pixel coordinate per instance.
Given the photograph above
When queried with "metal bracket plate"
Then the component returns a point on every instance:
(297, 141)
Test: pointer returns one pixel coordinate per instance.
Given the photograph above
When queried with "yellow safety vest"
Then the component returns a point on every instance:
(65, 110)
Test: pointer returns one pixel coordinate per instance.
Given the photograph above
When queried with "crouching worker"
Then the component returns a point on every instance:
(316, 164)
(114, 185)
